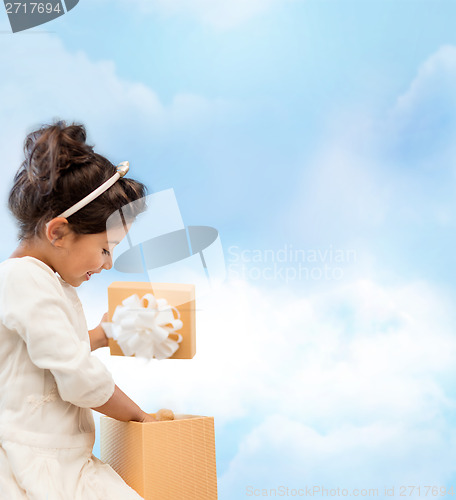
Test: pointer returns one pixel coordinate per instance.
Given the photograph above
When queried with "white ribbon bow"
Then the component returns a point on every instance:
(144, 330)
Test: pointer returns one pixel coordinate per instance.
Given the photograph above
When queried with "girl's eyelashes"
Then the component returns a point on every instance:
(106, 252)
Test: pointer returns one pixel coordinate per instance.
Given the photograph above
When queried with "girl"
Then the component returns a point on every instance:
(49, 382)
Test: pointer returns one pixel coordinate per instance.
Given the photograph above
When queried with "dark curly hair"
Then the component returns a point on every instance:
(60, 169)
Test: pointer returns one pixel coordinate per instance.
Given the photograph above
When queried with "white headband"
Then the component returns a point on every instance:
(122, 169)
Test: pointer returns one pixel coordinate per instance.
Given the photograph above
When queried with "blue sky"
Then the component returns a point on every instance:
(308, 125)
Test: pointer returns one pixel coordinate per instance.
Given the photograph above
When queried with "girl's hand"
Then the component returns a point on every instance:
(149, 418)
(98, 336)
(104, 319)
(164, 414)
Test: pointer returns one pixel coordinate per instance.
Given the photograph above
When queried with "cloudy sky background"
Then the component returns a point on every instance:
(318, 127)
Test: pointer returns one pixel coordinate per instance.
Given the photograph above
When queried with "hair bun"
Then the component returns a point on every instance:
(51, 151)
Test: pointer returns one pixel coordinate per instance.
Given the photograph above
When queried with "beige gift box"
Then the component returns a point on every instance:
(168, 460)
(181, 296)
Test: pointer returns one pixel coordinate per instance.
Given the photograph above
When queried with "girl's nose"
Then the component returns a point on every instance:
(108, 262)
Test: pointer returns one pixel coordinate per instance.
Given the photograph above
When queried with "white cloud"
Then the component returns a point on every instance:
(42, 80)
(283, 452)
(346, 383)
(368, 350)
(375, 179)
(421, 125)
(433, 84)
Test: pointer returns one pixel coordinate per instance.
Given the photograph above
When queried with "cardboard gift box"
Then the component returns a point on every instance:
(168, 460)
(181, 296)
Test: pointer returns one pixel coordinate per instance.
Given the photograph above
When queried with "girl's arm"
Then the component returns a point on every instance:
(97, 338)
(121, 407)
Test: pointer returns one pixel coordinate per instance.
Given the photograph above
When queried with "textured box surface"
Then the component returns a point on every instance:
(181, 296)
(169, 460)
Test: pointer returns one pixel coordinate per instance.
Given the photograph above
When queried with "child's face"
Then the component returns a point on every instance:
(87, 254)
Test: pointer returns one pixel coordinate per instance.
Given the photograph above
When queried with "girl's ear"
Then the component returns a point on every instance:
(56, 230)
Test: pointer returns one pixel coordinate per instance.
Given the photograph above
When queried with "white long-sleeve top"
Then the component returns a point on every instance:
(48, 378)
